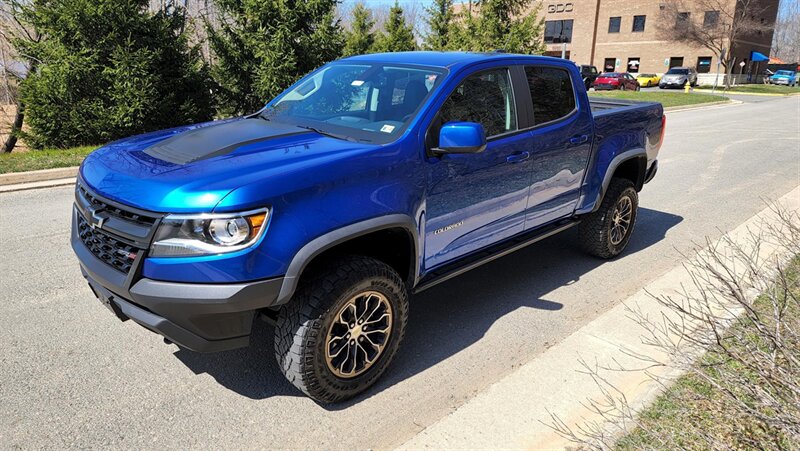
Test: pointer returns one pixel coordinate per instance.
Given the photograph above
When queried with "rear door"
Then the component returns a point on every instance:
(475, 200)
(561, 143)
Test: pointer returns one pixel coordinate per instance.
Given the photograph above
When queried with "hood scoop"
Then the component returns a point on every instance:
(216, 140)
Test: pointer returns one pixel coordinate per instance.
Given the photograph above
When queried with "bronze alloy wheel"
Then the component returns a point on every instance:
(358, 334)
(621, 220)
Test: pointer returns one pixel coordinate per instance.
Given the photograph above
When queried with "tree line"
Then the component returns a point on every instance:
(100, 70)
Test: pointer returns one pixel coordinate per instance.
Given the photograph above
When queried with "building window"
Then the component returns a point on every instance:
(633, 65)
(551, 92)
(558, 31)
(675, 61)
(703, 64)
(614, 24)
(638, 23)
(609, 64)
(711, 19)
(682, 21)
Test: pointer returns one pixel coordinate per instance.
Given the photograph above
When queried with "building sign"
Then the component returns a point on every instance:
(554, 8)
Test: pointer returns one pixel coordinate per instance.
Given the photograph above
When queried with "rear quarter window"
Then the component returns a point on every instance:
(551, 92)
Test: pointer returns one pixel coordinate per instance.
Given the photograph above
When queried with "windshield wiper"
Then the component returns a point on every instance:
(324, 133)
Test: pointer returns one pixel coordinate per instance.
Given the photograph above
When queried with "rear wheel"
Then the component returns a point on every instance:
(342, 329)
(606, 232)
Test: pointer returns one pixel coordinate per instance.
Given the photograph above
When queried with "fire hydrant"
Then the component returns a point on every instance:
(687, 87)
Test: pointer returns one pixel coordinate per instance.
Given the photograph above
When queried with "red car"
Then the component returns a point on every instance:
(609, 81)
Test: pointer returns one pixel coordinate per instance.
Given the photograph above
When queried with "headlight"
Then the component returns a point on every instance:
(205, 234)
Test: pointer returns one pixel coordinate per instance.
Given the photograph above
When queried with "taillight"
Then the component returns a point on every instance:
(663, 130)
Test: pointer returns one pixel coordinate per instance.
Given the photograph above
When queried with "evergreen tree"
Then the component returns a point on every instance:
(106, 69)
(511, 25)
(397, 36)
(440, 24)
(359, 38)
(262, 46)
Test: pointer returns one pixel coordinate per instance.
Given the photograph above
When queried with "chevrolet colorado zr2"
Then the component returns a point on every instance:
(370, 179)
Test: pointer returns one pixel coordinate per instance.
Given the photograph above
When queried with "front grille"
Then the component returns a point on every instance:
(114, 210)
(111, 250)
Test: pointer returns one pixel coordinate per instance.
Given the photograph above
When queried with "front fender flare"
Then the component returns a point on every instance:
(327, 241)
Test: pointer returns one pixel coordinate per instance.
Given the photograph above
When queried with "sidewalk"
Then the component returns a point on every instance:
(515, 412)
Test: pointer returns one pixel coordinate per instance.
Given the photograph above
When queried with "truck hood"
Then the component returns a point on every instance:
(190, 169)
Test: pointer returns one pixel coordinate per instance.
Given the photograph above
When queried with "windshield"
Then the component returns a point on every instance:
(366, 102)
(647, 75)
(674, 71)
(609, 75)
(783, 72)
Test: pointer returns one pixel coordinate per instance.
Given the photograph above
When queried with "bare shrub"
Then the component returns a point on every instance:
(733, 337)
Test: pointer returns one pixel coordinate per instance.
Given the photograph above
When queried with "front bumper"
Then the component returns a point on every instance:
(200, 317)
(780, 81)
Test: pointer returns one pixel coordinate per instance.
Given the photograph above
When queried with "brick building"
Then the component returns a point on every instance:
(622, 35)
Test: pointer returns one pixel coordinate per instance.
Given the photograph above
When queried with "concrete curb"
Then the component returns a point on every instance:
(515, 412)
(36, 185)
(736, 93)
(17, 178)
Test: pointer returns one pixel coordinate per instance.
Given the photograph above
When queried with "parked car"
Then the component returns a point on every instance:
(609, 81)
(370, 179)
(589, 75)
(648, 80)
(784, 77)
(677, 77)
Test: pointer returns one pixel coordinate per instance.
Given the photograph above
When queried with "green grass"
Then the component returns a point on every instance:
(692, 407)
(43, 159)
(668, 99)
(760, 89)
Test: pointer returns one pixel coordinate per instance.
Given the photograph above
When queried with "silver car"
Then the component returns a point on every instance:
(677, 77)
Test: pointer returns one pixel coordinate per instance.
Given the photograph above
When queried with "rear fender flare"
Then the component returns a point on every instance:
(623, 157)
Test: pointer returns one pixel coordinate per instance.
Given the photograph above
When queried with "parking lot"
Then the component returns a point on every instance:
(73, 375)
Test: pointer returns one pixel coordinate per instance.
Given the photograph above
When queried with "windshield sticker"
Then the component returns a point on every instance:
(357, 83)
(387, 128)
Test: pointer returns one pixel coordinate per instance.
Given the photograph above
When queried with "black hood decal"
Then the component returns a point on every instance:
(215, 140)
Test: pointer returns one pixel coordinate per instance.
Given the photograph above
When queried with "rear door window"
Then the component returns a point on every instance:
(551, 92)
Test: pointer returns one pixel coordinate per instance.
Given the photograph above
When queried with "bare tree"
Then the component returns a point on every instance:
(714, 24)
(14, 65)
(786, 41)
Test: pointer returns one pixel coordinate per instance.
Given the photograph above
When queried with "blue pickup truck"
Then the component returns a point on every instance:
(370, 179)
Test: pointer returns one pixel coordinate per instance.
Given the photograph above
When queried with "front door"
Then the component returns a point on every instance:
(475, 200)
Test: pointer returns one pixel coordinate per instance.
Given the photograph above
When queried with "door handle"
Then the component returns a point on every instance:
(518, 157)
(578, 139)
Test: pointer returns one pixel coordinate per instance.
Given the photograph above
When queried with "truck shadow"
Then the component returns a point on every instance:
(444, 319)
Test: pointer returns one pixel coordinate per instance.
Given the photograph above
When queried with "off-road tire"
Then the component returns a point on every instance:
(302, 325)
(595, 229)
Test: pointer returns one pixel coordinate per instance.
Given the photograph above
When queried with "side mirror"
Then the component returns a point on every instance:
(461, 137)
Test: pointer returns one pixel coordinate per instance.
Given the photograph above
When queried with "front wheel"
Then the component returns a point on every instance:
(342, 328)
(621, 87)
(606, 232)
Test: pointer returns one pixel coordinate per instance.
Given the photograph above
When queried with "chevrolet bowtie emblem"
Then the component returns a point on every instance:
(95, 220)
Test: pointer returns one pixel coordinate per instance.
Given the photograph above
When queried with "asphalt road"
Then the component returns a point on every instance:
(72, 375)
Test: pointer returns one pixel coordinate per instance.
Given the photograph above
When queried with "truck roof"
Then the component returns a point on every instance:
(442, 59)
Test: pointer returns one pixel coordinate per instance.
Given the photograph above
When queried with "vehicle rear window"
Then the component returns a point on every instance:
(551, 92)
